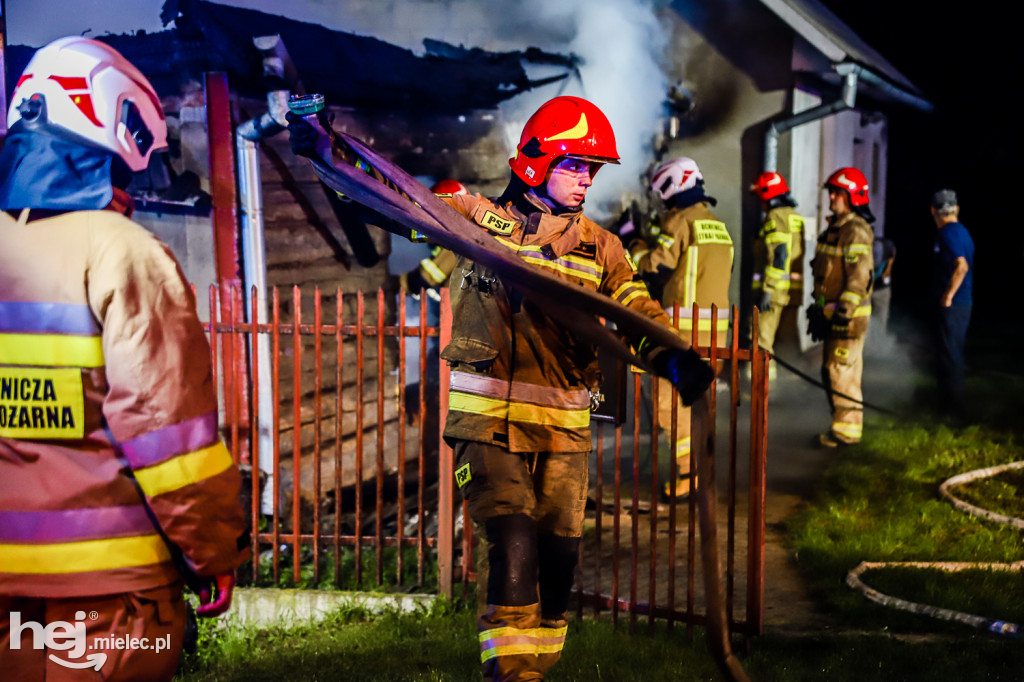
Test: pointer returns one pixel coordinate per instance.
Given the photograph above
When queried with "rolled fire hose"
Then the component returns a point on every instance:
(999, 627)
(415, 206)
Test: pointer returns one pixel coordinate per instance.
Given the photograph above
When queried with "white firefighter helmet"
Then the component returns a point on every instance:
(674, 176)
(85, 91)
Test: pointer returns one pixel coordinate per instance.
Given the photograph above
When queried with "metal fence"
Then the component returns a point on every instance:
(355, 464)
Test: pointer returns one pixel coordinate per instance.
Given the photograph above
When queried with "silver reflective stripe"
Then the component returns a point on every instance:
(491, 387)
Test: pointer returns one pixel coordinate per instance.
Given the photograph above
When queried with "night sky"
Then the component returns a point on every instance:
(966, 62)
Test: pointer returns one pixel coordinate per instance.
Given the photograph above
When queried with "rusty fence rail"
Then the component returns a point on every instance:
(356, 464)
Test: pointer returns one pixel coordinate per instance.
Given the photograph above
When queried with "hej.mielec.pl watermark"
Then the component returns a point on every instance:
(70, 637)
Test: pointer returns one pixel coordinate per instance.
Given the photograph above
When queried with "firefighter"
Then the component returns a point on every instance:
(522, 384)
(686, 259)
(432, 273)
(843, 270)
(113, 476)
(778, 258)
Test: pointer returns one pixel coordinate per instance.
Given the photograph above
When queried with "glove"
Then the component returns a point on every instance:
(817, 325)
(840, 327)
(687, 371)
(302, 136)
(764, 301)
(216, 601)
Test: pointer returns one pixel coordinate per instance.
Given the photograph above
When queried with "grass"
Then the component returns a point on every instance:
(346, 578)
(439, 645)
(1001, 493)
(879, 502)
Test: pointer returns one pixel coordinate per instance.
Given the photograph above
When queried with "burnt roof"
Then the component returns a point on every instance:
(351, 70)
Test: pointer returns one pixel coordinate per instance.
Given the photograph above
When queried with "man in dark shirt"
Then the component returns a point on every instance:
(954, 269)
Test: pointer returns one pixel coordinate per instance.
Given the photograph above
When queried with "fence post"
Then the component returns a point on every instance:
(445, 492)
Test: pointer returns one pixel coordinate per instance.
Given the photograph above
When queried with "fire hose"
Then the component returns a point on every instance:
(1000, 627)
(401, 198)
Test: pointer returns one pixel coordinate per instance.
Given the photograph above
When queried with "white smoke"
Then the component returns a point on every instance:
(621, 44)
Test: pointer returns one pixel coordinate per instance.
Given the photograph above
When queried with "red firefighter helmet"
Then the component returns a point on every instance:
(769, 185)
(449, 187)
(563, 126)
(84, 90)
(853, 181)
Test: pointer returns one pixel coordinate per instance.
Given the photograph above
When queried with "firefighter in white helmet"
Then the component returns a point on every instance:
(114, 482)
(686, 259)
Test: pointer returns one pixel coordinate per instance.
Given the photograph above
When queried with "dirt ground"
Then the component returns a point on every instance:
(797, 412)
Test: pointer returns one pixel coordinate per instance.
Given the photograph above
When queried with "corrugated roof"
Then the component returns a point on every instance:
(833, 38)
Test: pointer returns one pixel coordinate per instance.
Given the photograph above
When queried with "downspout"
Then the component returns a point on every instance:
(248, 136)
(846, 101)
(852, 74)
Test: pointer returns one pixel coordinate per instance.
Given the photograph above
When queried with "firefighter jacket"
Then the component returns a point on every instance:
(843, 271)
(111, 461)
(778, 256)
(436, 269)
(519, 378)
(692, 257)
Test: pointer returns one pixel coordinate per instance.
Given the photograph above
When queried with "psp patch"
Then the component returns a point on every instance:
(463, 475)
(492, 221)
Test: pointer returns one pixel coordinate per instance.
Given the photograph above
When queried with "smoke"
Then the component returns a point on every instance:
(621, 44)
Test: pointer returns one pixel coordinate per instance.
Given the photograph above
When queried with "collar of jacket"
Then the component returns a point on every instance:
(558, 234)
(689, 197)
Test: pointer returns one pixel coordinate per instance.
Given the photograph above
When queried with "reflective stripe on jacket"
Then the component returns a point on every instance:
(693, 257)
(779, 255)
(520, 378)
(99, 342)
(842, 268)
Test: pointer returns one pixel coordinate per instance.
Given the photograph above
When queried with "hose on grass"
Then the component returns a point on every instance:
(999, 627)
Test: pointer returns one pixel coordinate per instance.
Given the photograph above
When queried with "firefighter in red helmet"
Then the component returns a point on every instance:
(521, 383)
(778, 258)
(839, 315)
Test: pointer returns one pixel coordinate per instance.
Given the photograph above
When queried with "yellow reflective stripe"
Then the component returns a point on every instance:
(683, 447)
(796, 223)
(184, 470)
(638, 256)
(629, 292)
(527, 413)
(847, 429)
(851, 250)
(778, 238)
(639, 293)
(548, 416)
(860, 311)
(51, 350)
(79, 557)
(558, 267)
(509, 641)
(666, 241)
(703, 325)
(508, 631)
(850, 297)
(690, 295)
(476, 404)
(435, 274)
